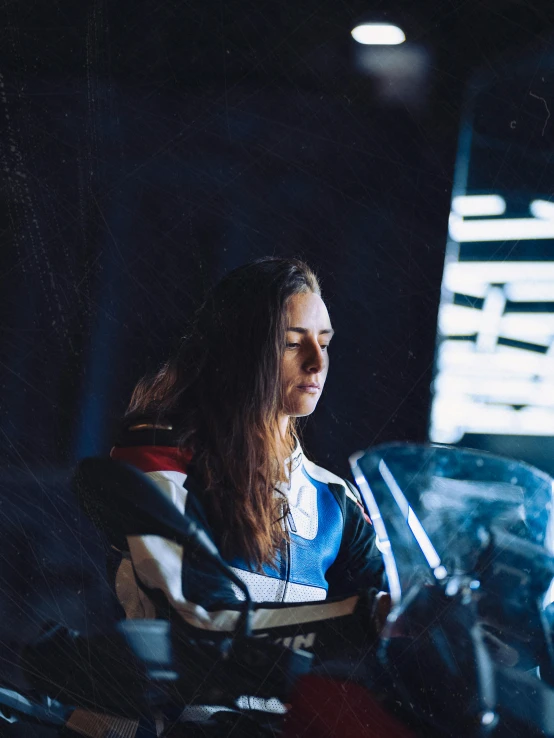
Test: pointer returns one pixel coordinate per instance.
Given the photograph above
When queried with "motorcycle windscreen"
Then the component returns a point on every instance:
(433, 506)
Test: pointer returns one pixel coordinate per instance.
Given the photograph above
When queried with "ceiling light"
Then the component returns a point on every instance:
(382, 34)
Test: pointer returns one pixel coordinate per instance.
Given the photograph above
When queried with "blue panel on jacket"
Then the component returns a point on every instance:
(310, 559)
(315, 527)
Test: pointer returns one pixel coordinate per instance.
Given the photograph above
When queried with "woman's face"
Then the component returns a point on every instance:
(306, 359)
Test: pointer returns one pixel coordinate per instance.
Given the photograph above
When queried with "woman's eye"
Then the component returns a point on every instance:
(324, 347)
(293, 345)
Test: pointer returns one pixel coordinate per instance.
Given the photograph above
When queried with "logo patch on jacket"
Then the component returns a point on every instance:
(303, 510)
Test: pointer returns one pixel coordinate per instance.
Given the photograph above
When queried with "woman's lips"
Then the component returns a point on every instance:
(311, 389)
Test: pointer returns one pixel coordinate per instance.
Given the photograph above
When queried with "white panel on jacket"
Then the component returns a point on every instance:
(171, 484)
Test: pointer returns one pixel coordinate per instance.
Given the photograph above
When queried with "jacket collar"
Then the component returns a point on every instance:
(294, 461)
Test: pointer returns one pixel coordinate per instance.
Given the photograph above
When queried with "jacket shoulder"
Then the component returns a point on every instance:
(323, 475)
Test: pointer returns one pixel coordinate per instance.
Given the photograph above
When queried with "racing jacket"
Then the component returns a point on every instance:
(330, 549)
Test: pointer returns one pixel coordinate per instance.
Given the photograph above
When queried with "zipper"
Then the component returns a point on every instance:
(285, 552)
(287, 570)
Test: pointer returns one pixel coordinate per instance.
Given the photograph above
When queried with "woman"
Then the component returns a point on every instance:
(215, 427)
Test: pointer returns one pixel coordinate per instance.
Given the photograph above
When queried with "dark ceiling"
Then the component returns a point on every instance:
(228, 43)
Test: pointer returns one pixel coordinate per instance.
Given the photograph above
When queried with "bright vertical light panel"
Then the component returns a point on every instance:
(495, 363)
(378, 34)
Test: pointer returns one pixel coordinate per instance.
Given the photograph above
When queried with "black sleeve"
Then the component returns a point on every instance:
(359, 564)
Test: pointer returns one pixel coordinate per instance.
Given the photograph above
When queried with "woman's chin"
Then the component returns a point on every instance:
(301, 409)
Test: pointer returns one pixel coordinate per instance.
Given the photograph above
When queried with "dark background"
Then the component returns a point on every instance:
(150, 147)
(146, 149)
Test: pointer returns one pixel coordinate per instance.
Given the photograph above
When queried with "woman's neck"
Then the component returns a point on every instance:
(281, 434)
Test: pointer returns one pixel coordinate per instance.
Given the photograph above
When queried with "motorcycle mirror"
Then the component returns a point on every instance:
(122, 501)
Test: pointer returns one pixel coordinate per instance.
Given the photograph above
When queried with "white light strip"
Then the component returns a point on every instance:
(475, 277)
(433, 559)
(465, 205)
(539, 291)
(503, 229)
(453, 417)
(461, 359)
(542, 209)
(378, 34)
(458, 320)
(491, 320)
(497, 389)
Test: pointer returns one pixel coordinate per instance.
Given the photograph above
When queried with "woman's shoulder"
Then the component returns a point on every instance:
(351, 492)
(324, 475)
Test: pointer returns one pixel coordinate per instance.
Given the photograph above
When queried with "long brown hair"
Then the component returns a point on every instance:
(222, 390)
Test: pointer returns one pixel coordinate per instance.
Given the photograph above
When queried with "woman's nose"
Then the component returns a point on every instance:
(315, 360)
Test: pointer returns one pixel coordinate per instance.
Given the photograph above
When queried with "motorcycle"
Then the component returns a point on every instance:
(467, 540)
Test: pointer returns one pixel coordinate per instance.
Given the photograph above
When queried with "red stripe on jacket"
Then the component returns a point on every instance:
(153, 458)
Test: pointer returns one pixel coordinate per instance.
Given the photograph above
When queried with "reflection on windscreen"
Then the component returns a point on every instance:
(435, 508)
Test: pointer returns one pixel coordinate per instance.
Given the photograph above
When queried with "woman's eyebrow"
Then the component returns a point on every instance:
(324, 331)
